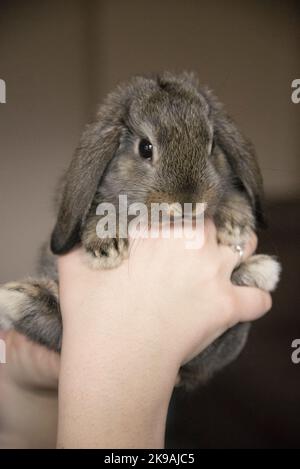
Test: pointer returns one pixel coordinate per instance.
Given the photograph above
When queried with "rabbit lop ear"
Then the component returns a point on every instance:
(96, 149)
(240, 154)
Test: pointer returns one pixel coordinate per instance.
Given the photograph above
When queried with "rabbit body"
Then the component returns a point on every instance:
(155, 139)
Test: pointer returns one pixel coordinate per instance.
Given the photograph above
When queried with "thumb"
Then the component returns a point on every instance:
(251, 303)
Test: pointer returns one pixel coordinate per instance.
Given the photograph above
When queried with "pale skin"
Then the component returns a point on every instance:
(127, 331)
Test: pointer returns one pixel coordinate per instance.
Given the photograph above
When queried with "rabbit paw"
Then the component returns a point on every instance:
(260, 271)
(231, 234)
(106, 253)
(12, 303)
(234, 221)
(31, 307)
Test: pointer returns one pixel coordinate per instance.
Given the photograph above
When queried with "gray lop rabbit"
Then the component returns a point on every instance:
(158, 138)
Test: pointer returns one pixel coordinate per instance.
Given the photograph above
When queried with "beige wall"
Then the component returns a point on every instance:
(42, 60)
(59, 58)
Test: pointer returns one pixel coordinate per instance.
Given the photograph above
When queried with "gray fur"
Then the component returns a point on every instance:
(182, 120)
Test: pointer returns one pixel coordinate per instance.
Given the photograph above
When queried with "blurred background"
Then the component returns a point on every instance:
(59, 58)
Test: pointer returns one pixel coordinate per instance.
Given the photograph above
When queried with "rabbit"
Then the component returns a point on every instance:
(155, 138)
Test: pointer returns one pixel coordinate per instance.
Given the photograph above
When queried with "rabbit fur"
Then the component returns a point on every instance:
(200, 156)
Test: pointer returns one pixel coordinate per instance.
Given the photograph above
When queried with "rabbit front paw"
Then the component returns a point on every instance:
(106, 253)
(231, 234)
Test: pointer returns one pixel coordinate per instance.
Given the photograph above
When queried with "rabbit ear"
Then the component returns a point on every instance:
(240, 154)
(97, 147)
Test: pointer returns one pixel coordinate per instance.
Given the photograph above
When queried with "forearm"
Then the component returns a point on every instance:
(115, 384)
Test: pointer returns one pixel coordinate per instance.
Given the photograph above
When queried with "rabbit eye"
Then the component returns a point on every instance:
(145, 149)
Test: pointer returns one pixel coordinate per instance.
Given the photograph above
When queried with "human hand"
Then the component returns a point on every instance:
(127, 331)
